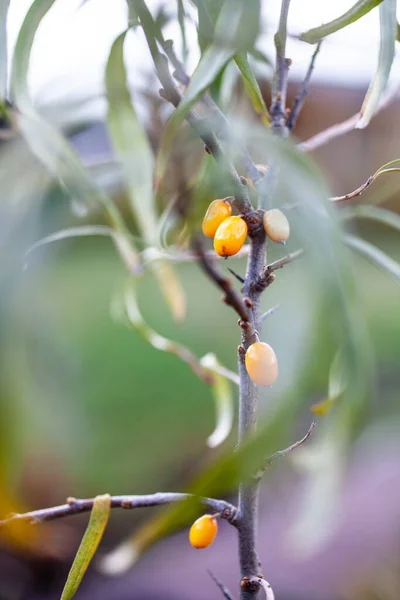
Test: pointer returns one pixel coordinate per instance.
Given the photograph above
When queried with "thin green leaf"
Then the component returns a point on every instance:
(337, 385)
(4, 4)
(50, 146)
(366, 211)
(223, 397)
(133, 150)
(22, 53)
(251, 86)
(89, 544)
(388, 29)
(229, 28)
(182, 27)
(374, 255)
(358, 10)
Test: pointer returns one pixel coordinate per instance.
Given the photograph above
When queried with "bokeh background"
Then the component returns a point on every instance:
(87, 406)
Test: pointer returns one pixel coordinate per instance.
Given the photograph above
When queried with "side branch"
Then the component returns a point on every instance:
(325, 136)
(299, 100)
(231, 296)
(281, 453)
(267, 276)
(74, 506)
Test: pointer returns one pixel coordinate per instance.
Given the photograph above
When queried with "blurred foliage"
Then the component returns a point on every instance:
(90, 400)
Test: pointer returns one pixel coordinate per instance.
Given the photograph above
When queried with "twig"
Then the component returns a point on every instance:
(259, 475)
(231, 296)
(299, 100)
(278, 107)
(267, 276)
(74, 506)
(356, 192)
(269, 312)
(323, 137)
(171, 93)
(281, 262)
(226, 593)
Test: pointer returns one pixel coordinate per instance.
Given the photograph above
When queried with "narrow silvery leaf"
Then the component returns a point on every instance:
(388, 32)
(89, 544)
(358, 10)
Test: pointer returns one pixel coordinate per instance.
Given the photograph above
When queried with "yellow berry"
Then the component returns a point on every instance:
(261, 364)
(203, 531)
(230, 236)
(276, 225)
(218, 211)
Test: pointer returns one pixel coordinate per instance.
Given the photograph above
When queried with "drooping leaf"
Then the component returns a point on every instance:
(89, 544)
(22, 52)
(375, 213)
(3, 50)
(50, 146)
(251, 85)
(374, 255)
(224, 403)
(133, 150)
(336, 386)
(388, 33)
(358, 10)
(231, 23)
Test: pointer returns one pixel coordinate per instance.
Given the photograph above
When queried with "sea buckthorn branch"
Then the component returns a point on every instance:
(215, 113)
(301, 96)
(281, 453)
(74, 506)
(278, 107)
(267, 276)
(231, 296)
(201, 125)
(325, 136)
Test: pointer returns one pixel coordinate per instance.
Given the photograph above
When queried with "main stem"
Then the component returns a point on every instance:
(248, 492)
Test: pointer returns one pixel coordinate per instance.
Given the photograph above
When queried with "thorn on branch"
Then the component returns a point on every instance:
(231, 296)
(238, 277)
(226, 593)
(299, 100)
(281, 453)
(269, 312)
(267, 276)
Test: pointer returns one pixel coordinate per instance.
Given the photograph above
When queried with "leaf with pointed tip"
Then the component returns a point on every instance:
(134, 152)
(376, 213)
(222, 393)
(50, 146)
(89, 544)
(251, 86)
(374, 255)
(388, 32)
(358, 10)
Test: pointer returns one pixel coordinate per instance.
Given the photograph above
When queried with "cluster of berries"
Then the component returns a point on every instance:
(230, 232)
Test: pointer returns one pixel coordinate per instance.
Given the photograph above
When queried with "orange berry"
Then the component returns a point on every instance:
(276, 225)
(230, 236)
(261, 364)
(203, 531)
(218, 211)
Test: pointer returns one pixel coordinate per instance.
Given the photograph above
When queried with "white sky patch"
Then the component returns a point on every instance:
(72, 45)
